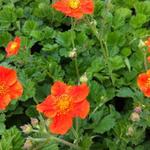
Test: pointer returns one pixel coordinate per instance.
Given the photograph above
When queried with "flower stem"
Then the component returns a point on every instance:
(77, 73)
(73, 45)
(65, 142)
(103, 47)
(145, 60)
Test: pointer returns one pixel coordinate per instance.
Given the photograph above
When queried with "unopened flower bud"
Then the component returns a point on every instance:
(27, 145)
(84, 78)
(73, 53)
(141, 44)
(135, 117)
(138, 109)
(94, 22)
(130, 131)
(47, 122)
(34, 121)
(27, 128)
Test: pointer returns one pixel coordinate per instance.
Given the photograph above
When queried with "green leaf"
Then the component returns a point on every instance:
(7, 16)
(86, 143)
(30, 26)
(64, 38)
(138, 20)
(11, 140)
(117, 62)
(125, 92)
(120, 15)
(105, 124)
(31, 111)
(126, 51)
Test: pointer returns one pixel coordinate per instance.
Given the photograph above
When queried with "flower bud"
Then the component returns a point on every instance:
(27, 128)
(138, 109)
(135, 117)
(130, 131)
(84, 78)
(141, 44)
(73, 53)
(27, 145)
(94, 22)
(34, 122)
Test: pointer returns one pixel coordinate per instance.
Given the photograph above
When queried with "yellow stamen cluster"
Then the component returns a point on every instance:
(74, 4)
(3, 89)
(64, 103)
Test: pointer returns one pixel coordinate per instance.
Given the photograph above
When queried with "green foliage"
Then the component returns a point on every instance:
(108, 52)
(11, 139)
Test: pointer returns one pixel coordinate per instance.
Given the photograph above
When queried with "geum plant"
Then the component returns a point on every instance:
(65, 102)
(79, 91)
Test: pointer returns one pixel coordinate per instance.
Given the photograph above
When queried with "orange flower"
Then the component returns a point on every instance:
(148, 59)
(13, 47)
(65, 103)
(10, 87)
(147, 43)
(75, 8)
(143, 82)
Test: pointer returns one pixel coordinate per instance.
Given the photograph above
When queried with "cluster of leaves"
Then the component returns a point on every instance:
(44, 58)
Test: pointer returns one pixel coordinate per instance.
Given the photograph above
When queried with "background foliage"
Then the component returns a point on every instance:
(44, 58)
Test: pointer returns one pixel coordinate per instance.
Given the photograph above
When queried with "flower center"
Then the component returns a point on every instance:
(64, 103)
(14, 45)
(3, 89)
(74, 4)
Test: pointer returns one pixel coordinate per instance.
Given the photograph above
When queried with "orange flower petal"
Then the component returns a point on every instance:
(87, 7)
(73, 8)
(141, 80)
(79, 93)
(58, 88)
(48, 107)
(4, 101)
(147, 92)
(18, 40)
(81, 109)
(8, 75)
(62, 7)
(61, 124)
(75, 13)
(16, 90)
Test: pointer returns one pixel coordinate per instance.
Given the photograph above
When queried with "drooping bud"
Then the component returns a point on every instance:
(135, 117)
(27, 145)
(141, 44)
(138, 109)
(94, 22)
(73, 53)
(84, 78)
(130, 131)
(34, 122)
(27, 128)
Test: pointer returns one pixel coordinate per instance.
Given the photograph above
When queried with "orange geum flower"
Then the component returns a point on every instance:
(13, 47)
(143, 82)
(74, 8)
(10, 87)
(65, 103)
(147, 42)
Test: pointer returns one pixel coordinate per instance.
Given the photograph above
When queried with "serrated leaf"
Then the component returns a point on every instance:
(138, 20)
(105, 124)
(11, 140)
(125, 92)
(117, 63)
